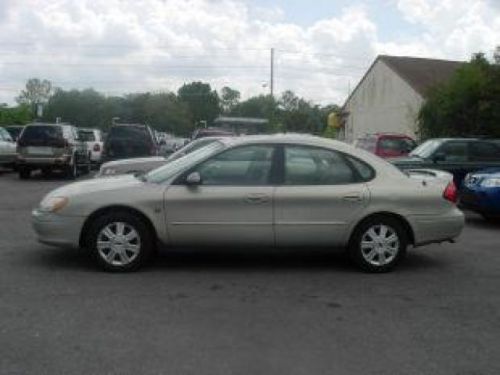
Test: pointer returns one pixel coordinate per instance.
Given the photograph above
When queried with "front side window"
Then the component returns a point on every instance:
(316, 166)
(454, 151)
(241, 166)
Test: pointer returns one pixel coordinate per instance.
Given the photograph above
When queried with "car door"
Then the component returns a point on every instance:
(232, 204)
(453, 157)
(321, 194)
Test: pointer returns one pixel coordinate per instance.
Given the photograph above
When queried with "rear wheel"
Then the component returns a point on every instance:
(120, 242)
(46, 172)
(378, 244)
(24, 173)
(72, 170)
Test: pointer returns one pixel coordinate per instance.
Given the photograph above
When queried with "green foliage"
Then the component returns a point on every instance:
(202, 101)
(179, 114)
(19, 115)
(229, 99)
(467, 105)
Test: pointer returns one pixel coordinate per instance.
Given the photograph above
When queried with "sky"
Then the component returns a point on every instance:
(322, 47)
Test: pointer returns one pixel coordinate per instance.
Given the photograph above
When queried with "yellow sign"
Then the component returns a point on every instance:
(334, 121)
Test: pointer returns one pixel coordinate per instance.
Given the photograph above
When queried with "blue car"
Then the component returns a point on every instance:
(480, 193)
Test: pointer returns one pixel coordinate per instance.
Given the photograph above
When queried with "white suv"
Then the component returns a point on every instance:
(7, 149)
(94, 141)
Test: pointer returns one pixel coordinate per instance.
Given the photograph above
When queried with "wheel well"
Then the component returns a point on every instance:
(113, 209)
(401, 219)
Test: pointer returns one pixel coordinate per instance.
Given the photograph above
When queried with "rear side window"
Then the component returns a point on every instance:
(454, 151)
(484, 151)
(316, 166)
(41, 133)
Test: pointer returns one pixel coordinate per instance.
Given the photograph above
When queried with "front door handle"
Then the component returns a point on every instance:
(257, 198)
(354, 197)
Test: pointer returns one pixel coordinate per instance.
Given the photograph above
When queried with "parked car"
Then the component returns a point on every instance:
(8, 153)
(480, 192)
(94, 141)
(276, 190)
(50, 147)
(386, 145)
(129, 141)
(211, 132)
(14, 131)
(143, 165)
(458, 156)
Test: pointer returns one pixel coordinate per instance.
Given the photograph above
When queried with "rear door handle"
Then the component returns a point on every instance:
(354, 197)
(257, 198)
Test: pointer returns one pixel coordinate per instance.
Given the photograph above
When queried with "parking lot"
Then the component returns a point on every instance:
(285, 312)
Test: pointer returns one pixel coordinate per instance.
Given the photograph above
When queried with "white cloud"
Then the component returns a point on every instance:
(131, 45)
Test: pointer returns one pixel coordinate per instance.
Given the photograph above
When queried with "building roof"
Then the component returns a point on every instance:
(421, 74)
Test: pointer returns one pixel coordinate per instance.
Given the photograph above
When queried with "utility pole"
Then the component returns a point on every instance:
(272, 73)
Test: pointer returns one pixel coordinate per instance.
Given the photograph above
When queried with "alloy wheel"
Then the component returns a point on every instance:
(118, 244)
(380, 245)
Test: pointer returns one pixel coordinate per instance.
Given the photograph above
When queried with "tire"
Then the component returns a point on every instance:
(112, 250)
(370, 249)
(72, 170)
(24, 173)
(46, 172)
(491, 218)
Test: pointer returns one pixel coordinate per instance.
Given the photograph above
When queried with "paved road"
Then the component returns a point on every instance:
(250, 313)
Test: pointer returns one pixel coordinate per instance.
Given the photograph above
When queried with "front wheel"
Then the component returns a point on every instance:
(120, 241)
(378, 244)
(72, 170)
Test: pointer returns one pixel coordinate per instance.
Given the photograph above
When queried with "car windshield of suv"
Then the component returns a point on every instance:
(42, 133)
(86, 135)
(426, 149)
(166, 171)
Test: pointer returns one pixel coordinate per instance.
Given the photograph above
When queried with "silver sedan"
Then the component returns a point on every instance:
(280, 190)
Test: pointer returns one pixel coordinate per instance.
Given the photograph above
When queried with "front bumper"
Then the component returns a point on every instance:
(57, 230)
(437, 228)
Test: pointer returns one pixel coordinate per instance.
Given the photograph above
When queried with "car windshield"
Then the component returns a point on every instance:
(426, 149)
(86, 135)
(166, 171)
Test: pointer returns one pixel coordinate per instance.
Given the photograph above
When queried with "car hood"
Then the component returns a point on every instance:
(93, 186)
(116, 163)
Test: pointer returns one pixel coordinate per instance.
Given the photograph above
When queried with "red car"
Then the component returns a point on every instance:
(386, 145)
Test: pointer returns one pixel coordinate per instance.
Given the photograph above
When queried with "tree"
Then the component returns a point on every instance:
(467, 105)
(36, 92)
(229, 99)
(202, 101)
(19, 115)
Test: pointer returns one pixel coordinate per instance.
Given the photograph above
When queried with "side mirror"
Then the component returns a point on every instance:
(440, 156)
(193, 179)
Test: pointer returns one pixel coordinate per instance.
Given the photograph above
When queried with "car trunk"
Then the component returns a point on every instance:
(42, 141)
(120, 148)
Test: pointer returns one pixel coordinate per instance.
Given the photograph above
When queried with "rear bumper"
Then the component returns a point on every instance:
(38, 162)
(57, 230)
(437, 228)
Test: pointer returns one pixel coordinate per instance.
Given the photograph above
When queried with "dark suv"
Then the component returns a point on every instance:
(51, 147)
(458, 156)
(129, 141)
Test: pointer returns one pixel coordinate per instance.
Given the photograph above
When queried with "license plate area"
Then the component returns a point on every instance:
(39, 150)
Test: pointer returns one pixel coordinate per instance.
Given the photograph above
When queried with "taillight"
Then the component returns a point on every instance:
(97, 147)
(451, 192)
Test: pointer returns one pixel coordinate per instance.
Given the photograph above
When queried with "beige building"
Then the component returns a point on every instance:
(390, 95)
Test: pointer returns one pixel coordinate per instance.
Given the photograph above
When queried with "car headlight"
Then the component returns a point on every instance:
(491, 182)
(53, 204)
